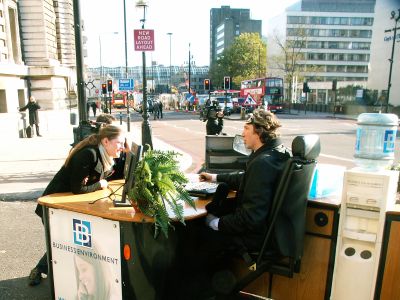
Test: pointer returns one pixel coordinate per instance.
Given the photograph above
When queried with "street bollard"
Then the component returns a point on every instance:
(120, 118)
(243, 113)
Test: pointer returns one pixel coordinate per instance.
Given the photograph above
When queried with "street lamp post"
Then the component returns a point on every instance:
(101, 64)
(79, 64)
(189, 71)
(128, 117)
(146, 129)
(396, 19)
(170, 65)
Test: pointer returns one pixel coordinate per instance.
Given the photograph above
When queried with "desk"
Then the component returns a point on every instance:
(86, 243)
(144, 275)
(316, 271)
(387, 283)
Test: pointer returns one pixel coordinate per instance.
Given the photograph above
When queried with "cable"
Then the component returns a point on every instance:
(112, 193)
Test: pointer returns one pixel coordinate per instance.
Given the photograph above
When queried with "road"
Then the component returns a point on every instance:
(337, 135)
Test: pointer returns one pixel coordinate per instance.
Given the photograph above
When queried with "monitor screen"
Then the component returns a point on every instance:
(132, 158)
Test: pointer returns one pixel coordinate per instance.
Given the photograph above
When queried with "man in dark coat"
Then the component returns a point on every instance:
(33, 108)
(239, 224)
(156, 110)
(160, 108)
(215, 119)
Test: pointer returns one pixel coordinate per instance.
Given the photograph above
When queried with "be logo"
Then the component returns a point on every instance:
(390, 138)
(82, 233)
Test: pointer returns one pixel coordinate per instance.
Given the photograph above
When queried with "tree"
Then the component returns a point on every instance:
(290, 53)
(244, 59)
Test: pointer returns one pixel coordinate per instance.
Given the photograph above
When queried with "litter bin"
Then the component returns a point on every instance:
(72, 118)
(22, 126)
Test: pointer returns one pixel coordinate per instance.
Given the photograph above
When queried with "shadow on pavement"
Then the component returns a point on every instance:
(18, 289)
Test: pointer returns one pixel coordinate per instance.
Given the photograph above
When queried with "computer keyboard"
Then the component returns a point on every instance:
(202, 187)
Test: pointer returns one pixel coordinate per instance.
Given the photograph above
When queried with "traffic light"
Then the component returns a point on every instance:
(109, 85)
(206, 84)
(306, 89)
(334, 85)
(227, 82)
(104, 88)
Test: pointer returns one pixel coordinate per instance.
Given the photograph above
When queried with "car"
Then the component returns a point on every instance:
(149, 107)
(236, 106)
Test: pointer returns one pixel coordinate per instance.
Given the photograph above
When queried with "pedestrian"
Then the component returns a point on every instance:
(240, 224)
(160, 108)
(33, 108)
(94, 108)
(156, 110)
(84, 171)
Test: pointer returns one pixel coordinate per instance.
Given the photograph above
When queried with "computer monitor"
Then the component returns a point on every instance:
(132, 159)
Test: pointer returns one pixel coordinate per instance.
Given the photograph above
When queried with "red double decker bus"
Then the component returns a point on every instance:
(269, 89)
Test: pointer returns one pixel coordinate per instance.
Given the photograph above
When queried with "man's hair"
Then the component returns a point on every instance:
(265, 124)
(105, 118)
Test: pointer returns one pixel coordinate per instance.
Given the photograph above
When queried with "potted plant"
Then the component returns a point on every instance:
(159, 187)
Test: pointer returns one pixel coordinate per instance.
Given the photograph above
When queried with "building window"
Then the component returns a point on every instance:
(344, 21)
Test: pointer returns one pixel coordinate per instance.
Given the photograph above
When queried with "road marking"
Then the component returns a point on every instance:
(184, 128)
(337, 157)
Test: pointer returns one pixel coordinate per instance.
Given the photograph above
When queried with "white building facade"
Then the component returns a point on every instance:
(337, 43)
(381, 51)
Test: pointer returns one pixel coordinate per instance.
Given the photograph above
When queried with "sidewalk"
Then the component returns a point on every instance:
(28, 164)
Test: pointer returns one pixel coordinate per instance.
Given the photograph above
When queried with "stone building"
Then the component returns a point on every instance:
(37, 53)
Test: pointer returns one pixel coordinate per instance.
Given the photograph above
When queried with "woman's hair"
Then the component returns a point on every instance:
(265, 124)
(110, 132)
(105, 118)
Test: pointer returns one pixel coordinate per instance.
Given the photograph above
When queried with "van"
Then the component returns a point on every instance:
(228, 108)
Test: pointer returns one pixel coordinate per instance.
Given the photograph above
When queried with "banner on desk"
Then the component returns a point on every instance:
(86, 256)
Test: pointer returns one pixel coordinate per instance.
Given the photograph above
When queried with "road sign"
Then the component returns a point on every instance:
(125, 84)
(144, 39)
(97, 91)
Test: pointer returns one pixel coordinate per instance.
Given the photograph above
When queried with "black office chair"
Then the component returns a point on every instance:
(286, 223)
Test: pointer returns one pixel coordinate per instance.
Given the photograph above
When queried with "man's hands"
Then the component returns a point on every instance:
(212, 221)
(103, 183)
(205, 176)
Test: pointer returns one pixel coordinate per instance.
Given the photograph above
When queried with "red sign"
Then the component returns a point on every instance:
(144, 39)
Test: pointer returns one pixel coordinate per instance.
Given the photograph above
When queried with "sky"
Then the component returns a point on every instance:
(187, 20)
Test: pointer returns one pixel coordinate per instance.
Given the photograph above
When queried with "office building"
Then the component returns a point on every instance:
(335, 43)
(227, 23)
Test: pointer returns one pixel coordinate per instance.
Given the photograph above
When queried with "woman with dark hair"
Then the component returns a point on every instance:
(84, 171)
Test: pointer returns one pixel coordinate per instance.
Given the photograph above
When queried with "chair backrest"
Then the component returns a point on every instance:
(286, 221)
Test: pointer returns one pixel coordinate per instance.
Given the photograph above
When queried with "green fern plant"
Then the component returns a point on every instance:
(160, 184)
